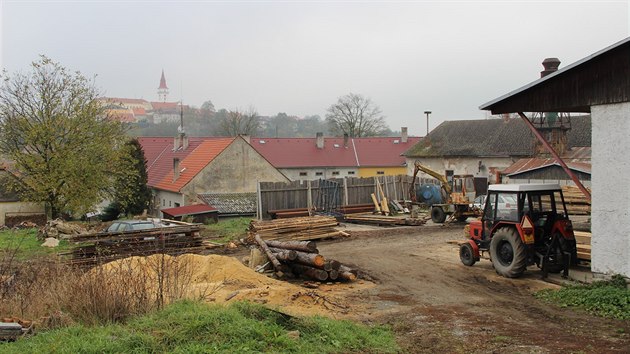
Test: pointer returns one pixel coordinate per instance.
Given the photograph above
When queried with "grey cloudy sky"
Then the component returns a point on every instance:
(299, 57)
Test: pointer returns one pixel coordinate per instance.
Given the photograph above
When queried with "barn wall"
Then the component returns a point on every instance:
(611, 190)
(476, 166)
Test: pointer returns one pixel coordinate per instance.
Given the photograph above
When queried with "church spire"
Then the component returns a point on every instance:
(163, 89)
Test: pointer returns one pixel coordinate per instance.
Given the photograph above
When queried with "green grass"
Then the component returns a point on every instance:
(604, 298)
(194, 327)
(26, 244)
(227, 230)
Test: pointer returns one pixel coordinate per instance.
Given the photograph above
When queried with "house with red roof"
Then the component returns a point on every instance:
(332, 157)
(182, 167)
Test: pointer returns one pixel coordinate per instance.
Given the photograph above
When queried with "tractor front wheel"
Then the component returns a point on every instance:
(508, 253)
(466, 254)
(438, 215)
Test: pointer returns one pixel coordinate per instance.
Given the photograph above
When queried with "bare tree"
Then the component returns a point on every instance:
(236, 122)
(356, 116)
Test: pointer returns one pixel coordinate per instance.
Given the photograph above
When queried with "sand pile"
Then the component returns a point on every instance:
(224, 279)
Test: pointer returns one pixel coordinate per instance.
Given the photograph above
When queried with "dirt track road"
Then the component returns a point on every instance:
(436, 304)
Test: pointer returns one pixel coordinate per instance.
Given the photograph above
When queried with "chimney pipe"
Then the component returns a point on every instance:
(176, 142)
(319, 140)
(345, 139)
(403, 134)
(551, 65)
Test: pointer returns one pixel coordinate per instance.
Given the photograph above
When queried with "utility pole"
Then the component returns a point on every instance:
(427, 113)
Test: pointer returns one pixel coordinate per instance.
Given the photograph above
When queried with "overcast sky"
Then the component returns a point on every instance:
(299, 57)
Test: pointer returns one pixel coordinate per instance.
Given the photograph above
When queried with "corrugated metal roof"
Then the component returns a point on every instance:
(526, 165)
(189, 210)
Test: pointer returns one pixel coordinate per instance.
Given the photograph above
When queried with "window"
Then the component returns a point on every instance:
(163, 202)
(169, 203)
(176, 205)
(380, 172)
(319, 173)
(335, 173)
(350, 172)
(303, 174)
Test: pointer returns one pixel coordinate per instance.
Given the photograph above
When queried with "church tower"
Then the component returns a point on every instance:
(163, 89)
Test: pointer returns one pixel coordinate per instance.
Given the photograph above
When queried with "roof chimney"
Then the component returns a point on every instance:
(184, 141)
(320, 140)
(175, 169)
(345, 139)
(177, 142)
(403, 134)
(550, 65)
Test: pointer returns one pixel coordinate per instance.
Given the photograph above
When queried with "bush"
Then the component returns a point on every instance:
(609, 298)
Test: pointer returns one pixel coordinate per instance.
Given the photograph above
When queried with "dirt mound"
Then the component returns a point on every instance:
(224, 279)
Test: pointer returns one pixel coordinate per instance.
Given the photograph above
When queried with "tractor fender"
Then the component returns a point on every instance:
(475, 248)
(564, 228)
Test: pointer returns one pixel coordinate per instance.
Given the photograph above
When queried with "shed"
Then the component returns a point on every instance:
(599, 84)
(199, 212)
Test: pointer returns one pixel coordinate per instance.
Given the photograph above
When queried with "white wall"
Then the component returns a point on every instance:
(165, 200)
(610, 178)
(463, 165)
(311, 173)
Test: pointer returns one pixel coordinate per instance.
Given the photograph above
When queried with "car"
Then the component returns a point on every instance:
(505, 201)
(132, 225)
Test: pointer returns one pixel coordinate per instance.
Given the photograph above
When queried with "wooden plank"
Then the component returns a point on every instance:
(377, 207)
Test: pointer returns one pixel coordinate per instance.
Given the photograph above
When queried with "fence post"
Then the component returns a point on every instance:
(345, 191)
(309, 196)
(258, 201)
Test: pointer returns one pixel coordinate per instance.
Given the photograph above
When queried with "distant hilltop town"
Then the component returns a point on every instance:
(137, 110)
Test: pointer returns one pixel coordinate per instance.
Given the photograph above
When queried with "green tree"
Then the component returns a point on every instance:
(131, 192)
(62, 146)
(356, 116)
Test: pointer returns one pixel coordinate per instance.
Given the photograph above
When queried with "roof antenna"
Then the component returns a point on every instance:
(180, 129)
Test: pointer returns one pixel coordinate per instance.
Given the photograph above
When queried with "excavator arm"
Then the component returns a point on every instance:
(440, 177)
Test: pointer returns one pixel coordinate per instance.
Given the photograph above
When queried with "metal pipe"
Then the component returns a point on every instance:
(556, 156)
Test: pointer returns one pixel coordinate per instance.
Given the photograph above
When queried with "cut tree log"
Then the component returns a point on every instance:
(283, 255)
(276, 263)
(345, 273)
(376, 206)
(310, 259)
(304, 246)
(333, 274)
(311, 272)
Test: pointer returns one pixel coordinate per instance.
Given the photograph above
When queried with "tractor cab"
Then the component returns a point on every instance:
(532, 223)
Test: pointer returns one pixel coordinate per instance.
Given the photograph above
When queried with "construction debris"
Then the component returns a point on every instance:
(60, 229)
(11, 328)
(306, 262)
(103, 247)
(296, 229)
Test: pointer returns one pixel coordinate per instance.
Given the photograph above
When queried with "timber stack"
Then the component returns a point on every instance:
(583, 240)
(302, 258)
(297, 229)
(577, 204)
(104, 247)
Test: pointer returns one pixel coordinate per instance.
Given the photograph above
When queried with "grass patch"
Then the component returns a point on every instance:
(604, 298)
(227, 230)
(196, 327)
(25, 244)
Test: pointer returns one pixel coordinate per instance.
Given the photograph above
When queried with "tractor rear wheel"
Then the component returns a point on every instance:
(508, 253)
(466, 254)
(438, 215)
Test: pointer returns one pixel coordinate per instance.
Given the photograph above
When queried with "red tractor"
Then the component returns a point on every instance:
(534, 230)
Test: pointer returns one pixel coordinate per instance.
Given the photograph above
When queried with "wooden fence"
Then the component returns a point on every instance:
(350, 191)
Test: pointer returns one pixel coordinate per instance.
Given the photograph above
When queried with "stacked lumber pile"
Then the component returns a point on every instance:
(302, 258)
(383, 220)
(104, 247)
(297, 229)
(577, 204)
(583, 240)
(301, 212)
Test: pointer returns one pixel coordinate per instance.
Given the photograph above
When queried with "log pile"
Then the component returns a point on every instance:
(297, 229)
(302, 258)
(577, 204)
(104, 247)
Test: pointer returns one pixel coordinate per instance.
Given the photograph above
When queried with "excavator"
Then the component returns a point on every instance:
(451, 199)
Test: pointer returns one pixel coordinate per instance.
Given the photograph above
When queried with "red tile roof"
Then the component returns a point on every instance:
(525, 165)
(160, 155)
(165, 106)
(189, 210)
(124, 100)
(139, 111)
(303, 152)
(163, 82)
